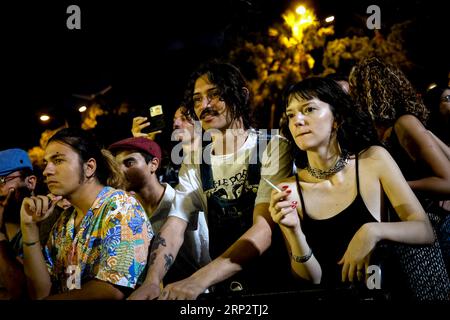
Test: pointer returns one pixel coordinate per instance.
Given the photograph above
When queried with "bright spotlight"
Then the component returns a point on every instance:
(300, 10)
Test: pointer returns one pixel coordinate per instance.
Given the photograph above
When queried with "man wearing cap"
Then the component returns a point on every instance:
(17, 181)
(139, 159)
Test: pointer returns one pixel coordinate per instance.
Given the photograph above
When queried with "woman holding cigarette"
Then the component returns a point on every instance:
(330, 210)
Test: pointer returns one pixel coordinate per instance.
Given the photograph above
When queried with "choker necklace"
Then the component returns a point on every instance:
(323, 174)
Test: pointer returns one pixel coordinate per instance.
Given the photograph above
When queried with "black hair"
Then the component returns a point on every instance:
(337, 77)
(230, 82)
(355, 131)
(86, 146)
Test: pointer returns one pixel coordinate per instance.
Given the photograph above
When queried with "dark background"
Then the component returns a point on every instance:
(146, 50)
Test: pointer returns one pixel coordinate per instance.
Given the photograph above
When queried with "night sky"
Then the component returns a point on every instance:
(146, 49)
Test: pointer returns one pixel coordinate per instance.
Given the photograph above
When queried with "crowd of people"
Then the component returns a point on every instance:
(235, 209)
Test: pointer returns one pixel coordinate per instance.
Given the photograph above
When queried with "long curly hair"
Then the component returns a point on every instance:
(355, 131)
(384, 91)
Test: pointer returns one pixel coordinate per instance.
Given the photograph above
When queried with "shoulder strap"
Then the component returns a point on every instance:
(357, 172)
(254, 167)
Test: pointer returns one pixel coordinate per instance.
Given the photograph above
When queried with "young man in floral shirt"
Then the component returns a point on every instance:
(98, 248)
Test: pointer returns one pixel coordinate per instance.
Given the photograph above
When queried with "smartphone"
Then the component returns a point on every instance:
(157, 121)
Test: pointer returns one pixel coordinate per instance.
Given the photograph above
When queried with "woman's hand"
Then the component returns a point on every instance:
(283, 210)
(356, 258)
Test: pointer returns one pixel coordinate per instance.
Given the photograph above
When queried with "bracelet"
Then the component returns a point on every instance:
(29, 244)
(302, 259)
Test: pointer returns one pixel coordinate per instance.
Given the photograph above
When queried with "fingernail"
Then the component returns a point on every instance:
(293, 206)
(289, 191)
(294, 202)
(284, 187)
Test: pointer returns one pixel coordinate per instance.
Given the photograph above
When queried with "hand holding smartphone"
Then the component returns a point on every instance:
(157, 121)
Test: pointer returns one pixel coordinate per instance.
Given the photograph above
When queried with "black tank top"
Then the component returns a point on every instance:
(329, 238)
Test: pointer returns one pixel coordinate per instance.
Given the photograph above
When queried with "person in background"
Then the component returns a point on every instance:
(400, 118)
(185, 133)
(437, 100)
(17, 181)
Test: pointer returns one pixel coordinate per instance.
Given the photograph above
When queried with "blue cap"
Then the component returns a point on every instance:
(13, 160)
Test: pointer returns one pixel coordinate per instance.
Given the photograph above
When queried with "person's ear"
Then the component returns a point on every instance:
(246, 93)
(337, 124)
(30, 182)
(90, 167)
(154, 165)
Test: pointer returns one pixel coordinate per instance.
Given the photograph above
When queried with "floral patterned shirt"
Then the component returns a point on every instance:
(111, 243)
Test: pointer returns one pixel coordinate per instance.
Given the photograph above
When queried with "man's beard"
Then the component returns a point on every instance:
(12, 209)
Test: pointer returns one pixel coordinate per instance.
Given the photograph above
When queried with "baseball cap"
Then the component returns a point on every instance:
(139, 144)
(12, 160)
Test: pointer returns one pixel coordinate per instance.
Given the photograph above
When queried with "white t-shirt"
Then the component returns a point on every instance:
(229, 174)
(194, 252)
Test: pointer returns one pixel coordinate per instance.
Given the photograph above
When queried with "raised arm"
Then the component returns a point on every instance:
(283, 209)
(140, 123)
(33, 210)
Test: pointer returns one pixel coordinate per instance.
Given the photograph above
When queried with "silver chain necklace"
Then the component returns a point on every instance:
(323, 174)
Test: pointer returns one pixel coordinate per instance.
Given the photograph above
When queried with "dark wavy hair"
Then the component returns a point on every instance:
(230, 83)
(85, 145)
(384, 91)
(355, 131)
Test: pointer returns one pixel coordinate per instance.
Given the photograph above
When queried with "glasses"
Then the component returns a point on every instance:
(212, 96)
(4, 180)
(446, 98)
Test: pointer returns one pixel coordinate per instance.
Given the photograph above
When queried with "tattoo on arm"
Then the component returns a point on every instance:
(159, 241)
(152, 258)
(169, 261)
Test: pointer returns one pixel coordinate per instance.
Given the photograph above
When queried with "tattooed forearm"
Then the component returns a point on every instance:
(159, 241)
(169, 261)
(152, 258)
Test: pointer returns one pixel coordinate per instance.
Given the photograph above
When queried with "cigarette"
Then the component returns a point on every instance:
(272, 185)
